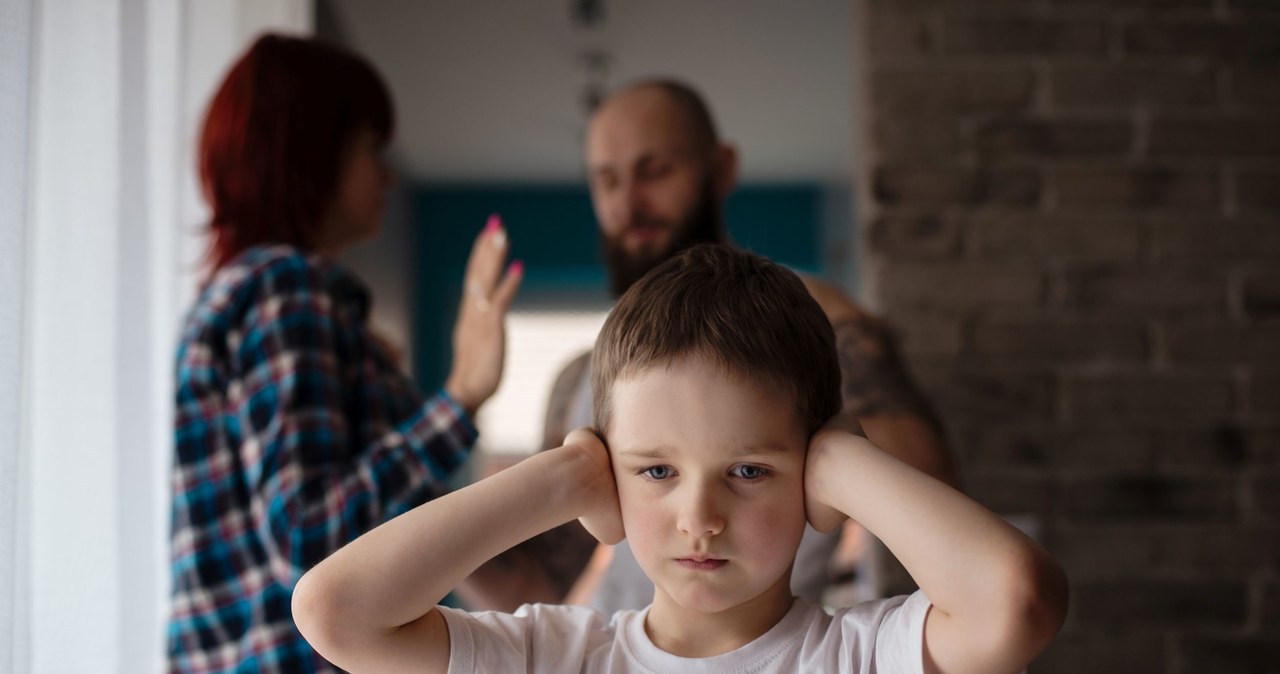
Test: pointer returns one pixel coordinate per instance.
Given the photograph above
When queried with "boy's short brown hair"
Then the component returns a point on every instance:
(747, 314)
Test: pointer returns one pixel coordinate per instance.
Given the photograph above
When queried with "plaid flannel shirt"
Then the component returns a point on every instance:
(295, 432)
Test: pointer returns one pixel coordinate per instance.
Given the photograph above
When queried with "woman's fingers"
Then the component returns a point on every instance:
(479, 337)
(486, 286)
(484, 266)
(505, 293)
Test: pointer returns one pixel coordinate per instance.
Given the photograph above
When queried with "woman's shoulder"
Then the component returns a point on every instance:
(263, 272)
(270, 266)
(257, 275)
(264, 281)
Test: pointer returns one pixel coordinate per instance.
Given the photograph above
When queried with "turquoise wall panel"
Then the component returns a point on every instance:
(553, 230)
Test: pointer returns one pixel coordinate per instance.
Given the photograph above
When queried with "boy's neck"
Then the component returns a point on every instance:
(695, 634)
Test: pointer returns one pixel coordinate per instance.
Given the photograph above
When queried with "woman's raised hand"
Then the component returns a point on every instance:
(479, 336)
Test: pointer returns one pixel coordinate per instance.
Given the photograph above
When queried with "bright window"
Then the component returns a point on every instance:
(539, 344)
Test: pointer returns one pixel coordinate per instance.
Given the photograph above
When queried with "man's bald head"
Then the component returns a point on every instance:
(694, 116)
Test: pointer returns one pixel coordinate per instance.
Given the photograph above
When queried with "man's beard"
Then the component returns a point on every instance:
(702, 226)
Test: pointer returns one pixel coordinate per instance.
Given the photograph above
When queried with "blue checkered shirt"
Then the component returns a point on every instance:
(295, 432)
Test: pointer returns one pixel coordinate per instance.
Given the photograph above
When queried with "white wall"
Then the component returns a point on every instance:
(101, 99)
(15, 26)
(491, 89)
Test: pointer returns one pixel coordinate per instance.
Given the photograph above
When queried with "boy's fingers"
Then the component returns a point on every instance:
(845, 421)
(583, 437)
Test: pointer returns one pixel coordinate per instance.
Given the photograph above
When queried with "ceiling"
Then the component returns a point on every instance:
(493, 90)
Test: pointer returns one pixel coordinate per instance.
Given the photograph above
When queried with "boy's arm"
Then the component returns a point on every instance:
(371, 606)
(998, 598)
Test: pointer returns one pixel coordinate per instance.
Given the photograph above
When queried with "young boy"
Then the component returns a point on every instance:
(713, 378)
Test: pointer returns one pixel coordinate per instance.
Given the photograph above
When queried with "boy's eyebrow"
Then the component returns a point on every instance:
(768, 448)
(663, 451)
(660, 452)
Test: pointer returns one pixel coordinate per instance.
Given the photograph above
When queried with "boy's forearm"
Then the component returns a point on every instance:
(913, 440)
(961, 554)
(396, 573)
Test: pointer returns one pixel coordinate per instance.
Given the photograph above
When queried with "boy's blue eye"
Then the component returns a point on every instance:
(657, 472)
(749, 472)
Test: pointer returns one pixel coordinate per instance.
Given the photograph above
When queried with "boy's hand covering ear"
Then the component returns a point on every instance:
(821, 516)
(602, 515)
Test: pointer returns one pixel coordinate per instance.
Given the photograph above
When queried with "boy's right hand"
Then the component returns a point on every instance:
(838, 429)
(601, 512)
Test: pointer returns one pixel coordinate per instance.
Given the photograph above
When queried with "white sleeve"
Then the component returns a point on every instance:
(900, 636)
(884, 636)
(536, 638)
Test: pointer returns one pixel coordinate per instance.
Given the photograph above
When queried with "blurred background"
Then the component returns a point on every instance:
(493, 99)
(1067, 208)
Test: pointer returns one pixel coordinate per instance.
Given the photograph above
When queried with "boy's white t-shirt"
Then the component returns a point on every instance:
(884, 636)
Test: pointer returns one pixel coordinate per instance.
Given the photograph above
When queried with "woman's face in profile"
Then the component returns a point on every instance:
(363, 181)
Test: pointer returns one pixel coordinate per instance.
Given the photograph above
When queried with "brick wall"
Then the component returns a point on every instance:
(1072, 212)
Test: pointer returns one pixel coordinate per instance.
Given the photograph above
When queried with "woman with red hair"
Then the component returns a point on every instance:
(295, 430)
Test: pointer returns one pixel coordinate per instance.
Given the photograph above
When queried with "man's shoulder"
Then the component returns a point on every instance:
(564, 403)
(834, 302)
(571, 378)
(576, 369)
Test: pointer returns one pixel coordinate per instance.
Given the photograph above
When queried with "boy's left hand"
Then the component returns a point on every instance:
(822, 516)
(601, 513)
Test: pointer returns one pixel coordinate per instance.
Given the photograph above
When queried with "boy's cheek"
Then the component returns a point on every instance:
(631, 500)
(646, 527)
(774, 531)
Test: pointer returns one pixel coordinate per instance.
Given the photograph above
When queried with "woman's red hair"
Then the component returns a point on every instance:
(275, 137)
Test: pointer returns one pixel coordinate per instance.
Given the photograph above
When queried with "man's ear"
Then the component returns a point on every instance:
(724, 167)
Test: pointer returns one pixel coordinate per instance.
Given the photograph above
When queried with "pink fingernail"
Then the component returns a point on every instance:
(493, 225)
(516, 267)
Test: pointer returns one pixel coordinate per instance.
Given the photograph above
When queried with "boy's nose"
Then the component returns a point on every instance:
(699, 515)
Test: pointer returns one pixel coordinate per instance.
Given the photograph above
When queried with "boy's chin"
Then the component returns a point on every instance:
(712, 600)
(706, 602)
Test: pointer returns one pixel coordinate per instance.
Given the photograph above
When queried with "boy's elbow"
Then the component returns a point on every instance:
(1035, 605)
(315, 613)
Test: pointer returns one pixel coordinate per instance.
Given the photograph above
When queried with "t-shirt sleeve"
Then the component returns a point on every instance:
(884, 636)
(536, 638)
(900, 638)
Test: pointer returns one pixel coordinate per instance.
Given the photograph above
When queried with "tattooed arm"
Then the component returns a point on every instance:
(877, 388)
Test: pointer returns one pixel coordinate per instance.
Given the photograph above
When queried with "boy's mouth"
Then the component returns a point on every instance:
(700, 563)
